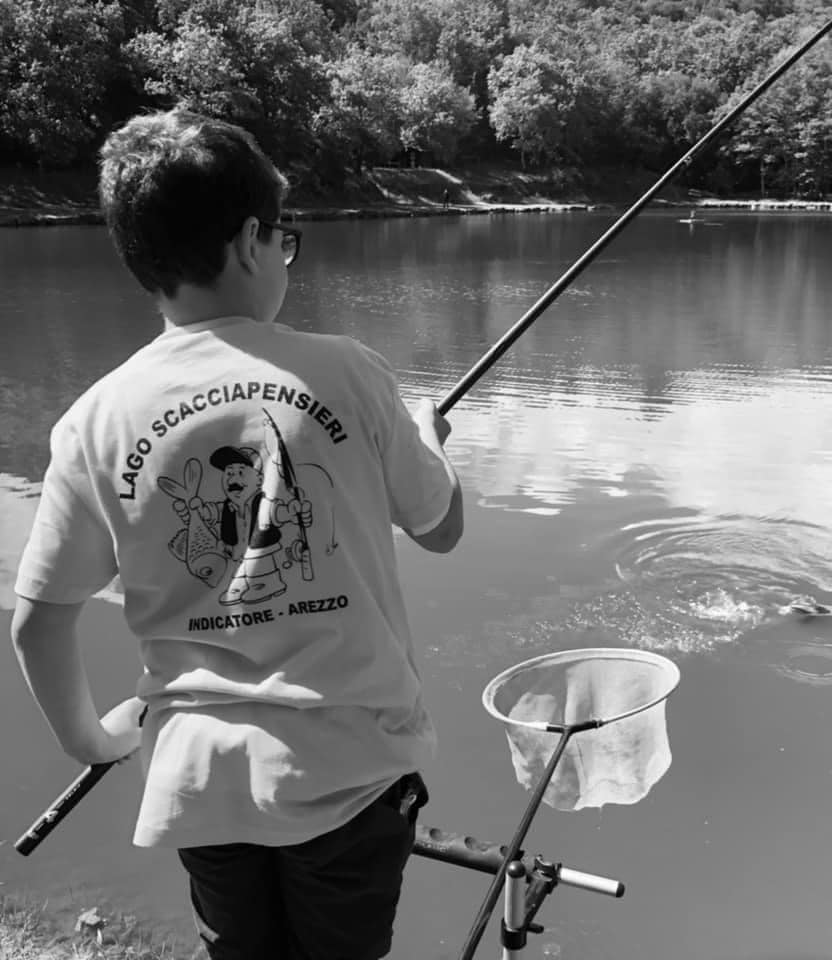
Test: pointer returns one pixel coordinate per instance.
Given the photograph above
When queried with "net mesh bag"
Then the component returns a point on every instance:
(622, 690)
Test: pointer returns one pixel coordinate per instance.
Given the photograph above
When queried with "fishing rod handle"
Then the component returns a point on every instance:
(65, 803)
(60, 807)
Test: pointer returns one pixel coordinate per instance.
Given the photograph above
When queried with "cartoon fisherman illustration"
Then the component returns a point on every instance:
(242, 480)
(258, 575)
(246, 526)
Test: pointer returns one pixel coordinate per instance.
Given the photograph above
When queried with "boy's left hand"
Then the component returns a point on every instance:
(123, 733)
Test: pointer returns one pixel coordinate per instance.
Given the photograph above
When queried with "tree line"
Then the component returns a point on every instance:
(332, 86)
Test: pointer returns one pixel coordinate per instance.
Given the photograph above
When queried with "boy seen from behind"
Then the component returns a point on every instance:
(242, 478)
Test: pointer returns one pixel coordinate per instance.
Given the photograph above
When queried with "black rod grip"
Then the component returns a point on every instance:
(63, 805)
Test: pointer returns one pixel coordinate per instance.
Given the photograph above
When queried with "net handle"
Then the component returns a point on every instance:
(512, 851)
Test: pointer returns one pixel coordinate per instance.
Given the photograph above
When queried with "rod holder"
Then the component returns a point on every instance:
(463, 851)
(485, 857)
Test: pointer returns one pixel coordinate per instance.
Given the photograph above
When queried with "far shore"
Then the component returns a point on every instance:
(67, 198)
(91, 217)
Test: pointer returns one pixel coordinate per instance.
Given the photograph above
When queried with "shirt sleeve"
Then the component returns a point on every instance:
(69, 555)
(418, 487)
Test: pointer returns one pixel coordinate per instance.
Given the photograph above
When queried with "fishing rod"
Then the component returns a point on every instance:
(499, 348)
(67, 801)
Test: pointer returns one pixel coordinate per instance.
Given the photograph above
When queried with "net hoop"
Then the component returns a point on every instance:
(668, 669)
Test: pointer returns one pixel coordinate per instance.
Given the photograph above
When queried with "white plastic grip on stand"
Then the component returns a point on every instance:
(589, 881)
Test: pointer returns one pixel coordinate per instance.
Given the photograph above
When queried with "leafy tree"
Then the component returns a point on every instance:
(342, 13)
(787, 133)
(408, 27)
(360, 119)
(57, 58)
(473, 34)
(540, 103)
(435, 111)
(194, 66)
(463, 36)
(241, 61)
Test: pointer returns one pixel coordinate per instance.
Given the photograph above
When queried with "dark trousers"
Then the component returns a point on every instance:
(330, 898)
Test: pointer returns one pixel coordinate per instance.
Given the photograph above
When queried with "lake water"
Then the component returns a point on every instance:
(649, 466)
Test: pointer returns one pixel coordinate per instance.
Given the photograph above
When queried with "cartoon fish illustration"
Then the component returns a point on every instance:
(195, 544)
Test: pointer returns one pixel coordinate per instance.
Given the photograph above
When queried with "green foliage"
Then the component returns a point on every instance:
(361, 117)
(436, 111)
(333, 85)
(787, 138)
(57, 58)
(408, 27)
(260, 65)
(535, 98)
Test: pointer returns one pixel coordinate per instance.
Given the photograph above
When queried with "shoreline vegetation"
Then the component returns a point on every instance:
(29, 199)
(32, 930)
(331, 88)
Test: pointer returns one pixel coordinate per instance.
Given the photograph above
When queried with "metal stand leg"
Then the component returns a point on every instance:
(513, 934)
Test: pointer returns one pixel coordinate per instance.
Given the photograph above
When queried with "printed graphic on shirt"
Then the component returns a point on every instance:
(244, 542)
(172, 419)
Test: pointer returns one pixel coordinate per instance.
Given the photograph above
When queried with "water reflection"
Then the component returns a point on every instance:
(681, 365)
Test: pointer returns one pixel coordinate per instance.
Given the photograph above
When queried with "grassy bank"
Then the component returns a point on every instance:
(36, 931)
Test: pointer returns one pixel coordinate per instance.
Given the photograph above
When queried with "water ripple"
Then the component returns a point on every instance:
(693, 583)
(809, 663)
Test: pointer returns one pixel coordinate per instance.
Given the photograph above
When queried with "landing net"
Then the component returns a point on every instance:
(612, 699)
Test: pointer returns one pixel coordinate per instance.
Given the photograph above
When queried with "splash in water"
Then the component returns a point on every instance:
(692, 583)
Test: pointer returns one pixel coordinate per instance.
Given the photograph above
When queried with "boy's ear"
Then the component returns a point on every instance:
(244, 244)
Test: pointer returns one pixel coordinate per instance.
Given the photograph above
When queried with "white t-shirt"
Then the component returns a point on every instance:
(278, 665)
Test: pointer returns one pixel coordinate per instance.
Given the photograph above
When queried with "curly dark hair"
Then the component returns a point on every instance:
(175, 187)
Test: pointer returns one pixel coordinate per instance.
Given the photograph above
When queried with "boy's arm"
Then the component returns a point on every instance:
(434, 430)
(47, 647)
